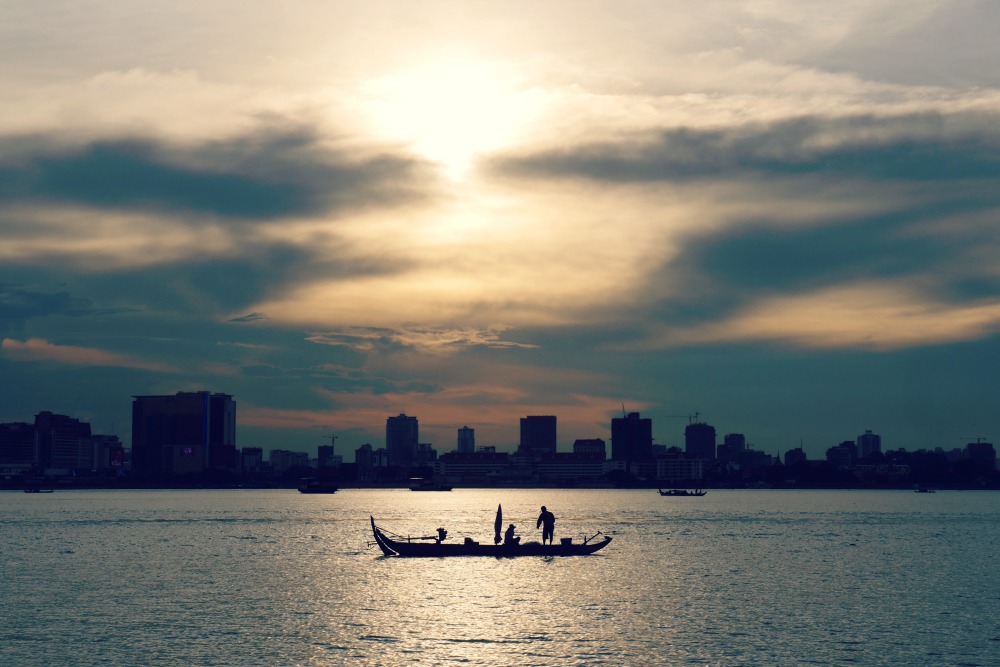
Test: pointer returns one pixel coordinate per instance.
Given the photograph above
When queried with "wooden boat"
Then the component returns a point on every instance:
(682, 492)
(430, 547)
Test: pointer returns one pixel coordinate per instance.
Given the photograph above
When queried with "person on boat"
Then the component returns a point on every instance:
(508, 536)
(547, 520)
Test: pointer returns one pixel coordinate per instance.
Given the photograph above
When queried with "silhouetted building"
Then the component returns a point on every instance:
(736, 442)
(363, 456)
(325, 457)
(592, 447)
(424, 455)
(679, 469)
(475, 466)
(982, 452)
(401, 439)
(189, 432)
(538, 434)
(283, 460)
(62, 442)
(466, 440)
(869, 444)
(795, 456)
(252, 459)
(699, 441)
(631, 438)
(843, 455)
(17, 444)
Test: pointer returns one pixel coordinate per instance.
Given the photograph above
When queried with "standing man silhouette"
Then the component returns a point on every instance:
(547, 520)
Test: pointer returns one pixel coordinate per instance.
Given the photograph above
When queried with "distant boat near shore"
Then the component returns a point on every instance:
(682, 492)
(420, 484)
(317, 486)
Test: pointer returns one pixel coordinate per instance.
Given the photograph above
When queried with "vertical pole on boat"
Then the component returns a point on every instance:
(498, 525)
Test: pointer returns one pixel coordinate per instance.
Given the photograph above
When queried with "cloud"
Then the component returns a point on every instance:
(915, 147)
(249, 317)
(18, 304)
(277, 172)
(867, 316)
(35, 349)
(424, 339)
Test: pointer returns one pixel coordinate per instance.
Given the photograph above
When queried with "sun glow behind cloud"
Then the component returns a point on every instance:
(450, 112)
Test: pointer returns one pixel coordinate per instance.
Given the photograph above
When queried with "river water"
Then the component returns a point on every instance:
(275, 578)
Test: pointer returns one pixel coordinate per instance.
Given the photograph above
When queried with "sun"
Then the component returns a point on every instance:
(450, 112)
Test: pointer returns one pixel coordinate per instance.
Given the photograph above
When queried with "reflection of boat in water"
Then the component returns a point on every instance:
(419, 484)
(317, 486)
(682, 492)
(434, 546)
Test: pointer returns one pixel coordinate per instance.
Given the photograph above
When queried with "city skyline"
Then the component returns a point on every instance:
(401, 434)
(781, 215)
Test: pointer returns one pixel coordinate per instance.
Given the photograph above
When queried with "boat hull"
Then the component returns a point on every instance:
(407, 549)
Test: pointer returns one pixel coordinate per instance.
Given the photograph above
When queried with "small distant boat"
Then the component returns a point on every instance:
(682, 492)
(419, 484)
(434, 545)
(317, 486)
(924, 490)
(36, 489)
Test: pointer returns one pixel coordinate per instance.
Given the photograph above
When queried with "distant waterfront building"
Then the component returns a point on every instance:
(869, 444)
(538, 434)
(189, 432)
(17, 445)
(251, 459)
(425, 454)
(737, 443)
(843, 455)
(325, 458)
(466, 440)
(282, 460)
(676, 469)
(699, 441)
(983, 452)
(795, 456)
(591, 447)
(363, 456)
(631, 438)
(62, 443)
(479, 466)
(401, 439)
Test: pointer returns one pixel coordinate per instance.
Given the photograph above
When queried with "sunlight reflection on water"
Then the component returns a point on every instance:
(277, 578)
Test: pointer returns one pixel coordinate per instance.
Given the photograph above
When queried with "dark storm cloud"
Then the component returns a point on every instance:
(915, 148)
(274, 174)
(19, 304)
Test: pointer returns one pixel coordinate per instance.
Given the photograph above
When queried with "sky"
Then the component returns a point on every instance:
(778, 215)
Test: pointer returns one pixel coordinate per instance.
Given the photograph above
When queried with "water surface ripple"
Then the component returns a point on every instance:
(274, 578)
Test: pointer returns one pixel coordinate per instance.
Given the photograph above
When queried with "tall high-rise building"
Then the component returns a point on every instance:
(631, 438)
(736, 442)
(538, 434)
(324, 456)
(869, 444)
(62, 442)
(401, 439)
(699, 441)
(466, 439)
(189, 432)
(17, 444)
